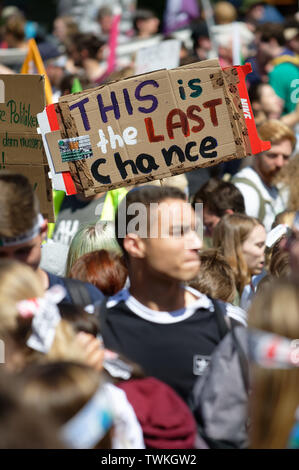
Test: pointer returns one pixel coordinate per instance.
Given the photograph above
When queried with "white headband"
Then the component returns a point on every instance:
(275, 234)
(24, 237)
(46, 317)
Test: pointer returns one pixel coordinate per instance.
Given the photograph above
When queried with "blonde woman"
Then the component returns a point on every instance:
(31, 325)
(241, 240)
(275, 398)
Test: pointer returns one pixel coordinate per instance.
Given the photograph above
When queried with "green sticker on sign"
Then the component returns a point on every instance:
(75, 148)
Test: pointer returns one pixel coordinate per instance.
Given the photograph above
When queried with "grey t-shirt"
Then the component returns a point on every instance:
(73, 213)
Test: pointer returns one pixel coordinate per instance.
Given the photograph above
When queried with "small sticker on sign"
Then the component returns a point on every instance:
(75, 148)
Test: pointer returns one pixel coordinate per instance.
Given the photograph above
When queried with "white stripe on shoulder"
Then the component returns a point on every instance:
(236, 313)
(202, 301)
(120, 296)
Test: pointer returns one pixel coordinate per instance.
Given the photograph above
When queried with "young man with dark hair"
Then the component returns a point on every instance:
(22, 231)
(145, 23)
(159, 323)
(87, 51)
(218, 198)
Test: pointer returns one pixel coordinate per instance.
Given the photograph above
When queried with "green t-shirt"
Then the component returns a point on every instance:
(284, 79)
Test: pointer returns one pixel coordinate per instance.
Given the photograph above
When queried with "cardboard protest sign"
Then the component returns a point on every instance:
(153, 126)
(164, 55)
(21, 147)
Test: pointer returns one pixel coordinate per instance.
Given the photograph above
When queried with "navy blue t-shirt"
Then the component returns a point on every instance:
(95, 294)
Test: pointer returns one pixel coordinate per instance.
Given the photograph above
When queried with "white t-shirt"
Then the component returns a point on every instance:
(128, 433)
(276, 197)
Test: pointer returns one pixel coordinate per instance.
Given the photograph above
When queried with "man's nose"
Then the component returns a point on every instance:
(280, 161)
(193, 241)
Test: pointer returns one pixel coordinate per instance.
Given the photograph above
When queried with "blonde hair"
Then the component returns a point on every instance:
(285, 217)
(228, 236)
(275, 131)
(225, 13)
(274, 397)
(289, 175)
(91, 237)
(19, 282)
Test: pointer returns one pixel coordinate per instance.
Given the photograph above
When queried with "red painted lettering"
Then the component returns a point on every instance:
(196, 118)
(212, 105)
(183, 123)
(151, 131)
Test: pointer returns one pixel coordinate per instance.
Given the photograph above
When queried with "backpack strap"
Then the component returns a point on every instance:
(226, 324)
(78, 292)
(101, 313)
(220, 315)
(243, 360)
(262, 212)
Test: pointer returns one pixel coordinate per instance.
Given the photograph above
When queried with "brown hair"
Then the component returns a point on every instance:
(226, 196)
(274, 398)
(271, 31)
(289, 175)
(104, 269)
(15, 26)
(228, 236)
(215, 277)
(79, 319)
(207, 188)
(280, 264)
(21, 426)
(59, 390)
(89, 42)
(19, 205)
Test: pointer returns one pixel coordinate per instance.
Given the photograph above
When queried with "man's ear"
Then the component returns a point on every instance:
(229, 211)
(134, 246)
(44, 230)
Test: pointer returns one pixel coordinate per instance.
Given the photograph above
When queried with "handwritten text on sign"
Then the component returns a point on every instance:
(148, 125)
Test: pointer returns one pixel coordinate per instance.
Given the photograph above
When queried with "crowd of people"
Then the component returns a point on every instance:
(176, 326)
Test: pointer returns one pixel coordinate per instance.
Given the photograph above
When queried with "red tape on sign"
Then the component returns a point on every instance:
(54, 125)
